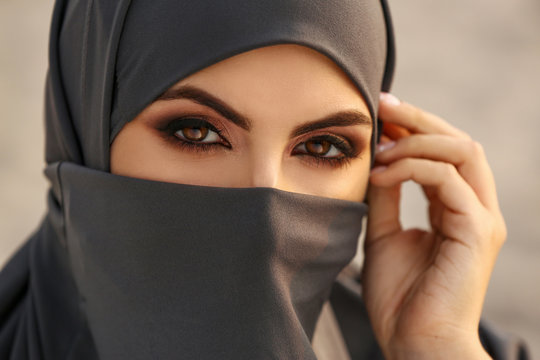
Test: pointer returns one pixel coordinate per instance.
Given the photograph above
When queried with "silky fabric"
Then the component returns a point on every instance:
(110, 59)
(197, 272)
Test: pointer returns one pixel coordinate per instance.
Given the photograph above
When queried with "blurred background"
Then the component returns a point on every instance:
(475, 63)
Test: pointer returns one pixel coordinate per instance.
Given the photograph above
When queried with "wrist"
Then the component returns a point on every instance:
(438, 349)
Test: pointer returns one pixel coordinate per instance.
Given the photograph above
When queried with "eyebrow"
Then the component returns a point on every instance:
(341, 118)
(204, 98)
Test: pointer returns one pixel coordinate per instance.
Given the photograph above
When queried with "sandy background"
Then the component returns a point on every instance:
(476, 63)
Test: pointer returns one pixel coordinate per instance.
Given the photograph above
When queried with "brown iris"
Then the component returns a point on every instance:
(318, 147)
(195, 133)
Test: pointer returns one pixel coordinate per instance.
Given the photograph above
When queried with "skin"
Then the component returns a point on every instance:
(275, 89)
(423, 290)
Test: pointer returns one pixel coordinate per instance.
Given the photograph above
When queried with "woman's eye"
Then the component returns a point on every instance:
(319, 148)
(194, 133)
(199, 134)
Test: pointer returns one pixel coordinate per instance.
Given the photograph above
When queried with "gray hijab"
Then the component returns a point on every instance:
(110, 59)
(125, 268)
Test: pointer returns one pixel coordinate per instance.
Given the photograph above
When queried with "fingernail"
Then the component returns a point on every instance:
(378, 169)
(384, 146)
(389, 99)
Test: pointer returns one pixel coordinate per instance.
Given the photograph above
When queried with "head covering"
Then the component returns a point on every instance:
(110, 59)
(126, 268)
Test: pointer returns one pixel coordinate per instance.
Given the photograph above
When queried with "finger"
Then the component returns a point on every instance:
(383, 216)
(385, 139)
(416, 120)
(467, 155)
(452, 190)
(395, 132)
(435, 212)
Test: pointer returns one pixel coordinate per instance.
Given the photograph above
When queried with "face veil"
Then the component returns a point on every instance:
(125, 268)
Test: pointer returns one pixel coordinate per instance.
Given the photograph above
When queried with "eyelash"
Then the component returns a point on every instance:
(347, 149)
(172, 127)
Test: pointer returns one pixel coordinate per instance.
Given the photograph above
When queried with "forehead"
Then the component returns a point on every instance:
(277, 81)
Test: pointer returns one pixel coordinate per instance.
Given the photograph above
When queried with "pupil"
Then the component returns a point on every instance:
(195, 133)
(318, 147)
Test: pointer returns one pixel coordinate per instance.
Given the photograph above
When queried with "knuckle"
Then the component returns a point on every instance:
(416, 112)
(483, 231)
(476, 148)
(494, 229)
(408, 162)
(411, 143)
(408, 167)
(464, 135)
(501, 232)
(448, 170)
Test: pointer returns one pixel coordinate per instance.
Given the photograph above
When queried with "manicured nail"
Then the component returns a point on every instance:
(378, 169)
(384, 146)
(389, 99)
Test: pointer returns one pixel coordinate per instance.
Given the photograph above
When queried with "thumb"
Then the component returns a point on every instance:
(383, 216)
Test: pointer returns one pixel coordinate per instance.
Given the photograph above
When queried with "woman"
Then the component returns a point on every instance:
(208, 164)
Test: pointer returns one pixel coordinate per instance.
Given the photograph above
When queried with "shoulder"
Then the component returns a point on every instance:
(14, 279)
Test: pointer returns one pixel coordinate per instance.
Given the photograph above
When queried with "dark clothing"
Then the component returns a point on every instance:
(50, 327)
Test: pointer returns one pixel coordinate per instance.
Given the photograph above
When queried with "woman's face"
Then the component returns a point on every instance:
(281, 116)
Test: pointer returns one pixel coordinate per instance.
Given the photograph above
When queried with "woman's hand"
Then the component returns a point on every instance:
(424, 290)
